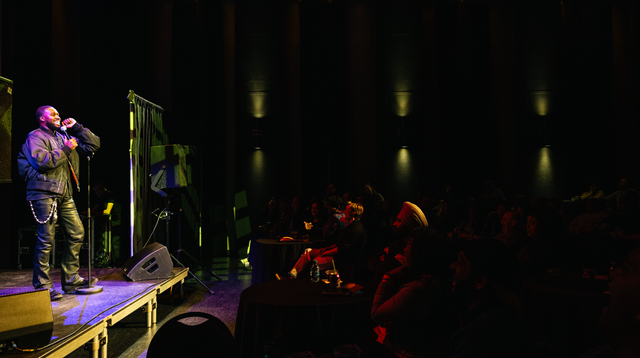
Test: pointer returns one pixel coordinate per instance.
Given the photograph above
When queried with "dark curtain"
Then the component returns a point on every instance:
(146, 126)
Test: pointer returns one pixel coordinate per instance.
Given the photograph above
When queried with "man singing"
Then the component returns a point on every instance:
(49, 164)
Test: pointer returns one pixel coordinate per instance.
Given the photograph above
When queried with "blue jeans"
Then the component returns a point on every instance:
(74, 234)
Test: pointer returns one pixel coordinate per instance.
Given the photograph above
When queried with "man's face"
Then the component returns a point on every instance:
(314, 209)
(51, 119)
(623, 184)
(622, 316)
(506, 221)
(400, 228)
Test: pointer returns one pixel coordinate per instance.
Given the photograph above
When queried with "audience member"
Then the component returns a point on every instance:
(594, 192)
(486, 274)
(269, 213)
(408, 219)
(346, 251)
(621, 317)
(523, 206)
(541, 250)
(426, 205)
(513, 232)
(372, 199)
(373, 215)
(411, 304)
(626, 222)
(624, 189)
(295, 220)
(316, 219)
(448, 193)
(388, 213)
(494, 220)
(471, 227)
(332, 226)
(446, 220)
(330, 191)
(491, 194)
(589, 221)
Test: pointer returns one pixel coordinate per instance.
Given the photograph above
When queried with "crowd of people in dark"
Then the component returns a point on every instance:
(447, 270)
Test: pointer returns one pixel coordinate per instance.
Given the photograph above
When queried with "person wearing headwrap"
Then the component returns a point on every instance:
(409, 218)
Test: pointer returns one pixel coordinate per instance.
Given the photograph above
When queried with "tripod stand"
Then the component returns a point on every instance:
(166, 217)
(156, 181)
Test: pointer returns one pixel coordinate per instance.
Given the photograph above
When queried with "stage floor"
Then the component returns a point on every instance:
(92, 314)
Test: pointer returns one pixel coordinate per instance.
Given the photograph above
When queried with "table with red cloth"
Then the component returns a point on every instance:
(563, 310)
(297, 310)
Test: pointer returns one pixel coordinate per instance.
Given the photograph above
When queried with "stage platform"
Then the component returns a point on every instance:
(92, 315)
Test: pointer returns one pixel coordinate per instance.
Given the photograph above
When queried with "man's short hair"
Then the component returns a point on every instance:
(40, 112)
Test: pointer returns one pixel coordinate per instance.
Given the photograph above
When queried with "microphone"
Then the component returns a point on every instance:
(64, 130)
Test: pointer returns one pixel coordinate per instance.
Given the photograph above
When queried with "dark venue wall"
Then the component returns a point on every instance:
(406, 94)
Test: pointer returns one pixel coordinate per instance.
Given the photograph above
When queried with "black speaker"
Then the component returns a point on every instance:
(27, 319)
(151, 263)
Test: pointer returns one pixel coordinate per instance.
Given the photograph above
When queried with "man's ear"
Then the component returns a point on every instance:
(480, 282)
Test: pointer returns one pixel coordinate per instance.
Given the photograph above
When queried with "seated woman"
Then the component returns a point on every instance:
(594, 192)
(345, 251)
(315, 221)
(411, 304)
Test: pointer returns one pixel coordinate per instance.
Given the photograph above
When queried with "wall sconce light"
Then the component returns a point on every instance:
(258, 107)
(259, 104)
(542, 105)
(401, 103)
(401, 106)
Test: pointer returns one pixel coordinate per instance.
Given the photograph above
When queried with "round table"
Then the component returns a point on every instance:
(298, 311)
(273, 256)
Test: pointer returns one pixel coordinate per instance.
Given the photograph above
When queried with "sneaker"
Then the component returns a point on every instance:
(81, 282)
(55, 295)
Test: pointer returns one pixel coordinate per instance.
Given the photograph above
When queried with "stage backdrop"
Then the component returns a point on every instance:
(147, 130)
(6, 102)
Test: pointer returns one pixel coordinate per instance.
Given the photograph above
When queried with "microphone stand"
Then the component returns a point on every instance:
(91, 289)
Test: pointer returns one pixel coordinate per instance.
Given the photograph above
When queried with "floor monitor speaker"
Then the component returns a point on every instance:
(27, 319)
(151, 263)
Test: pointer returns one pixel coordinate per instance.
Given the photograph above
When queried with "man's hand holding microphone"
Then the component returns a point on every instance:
(70, 142)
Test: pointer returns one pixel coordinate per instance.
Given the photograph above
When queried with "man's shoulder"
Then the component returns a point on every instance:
(38, 132)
